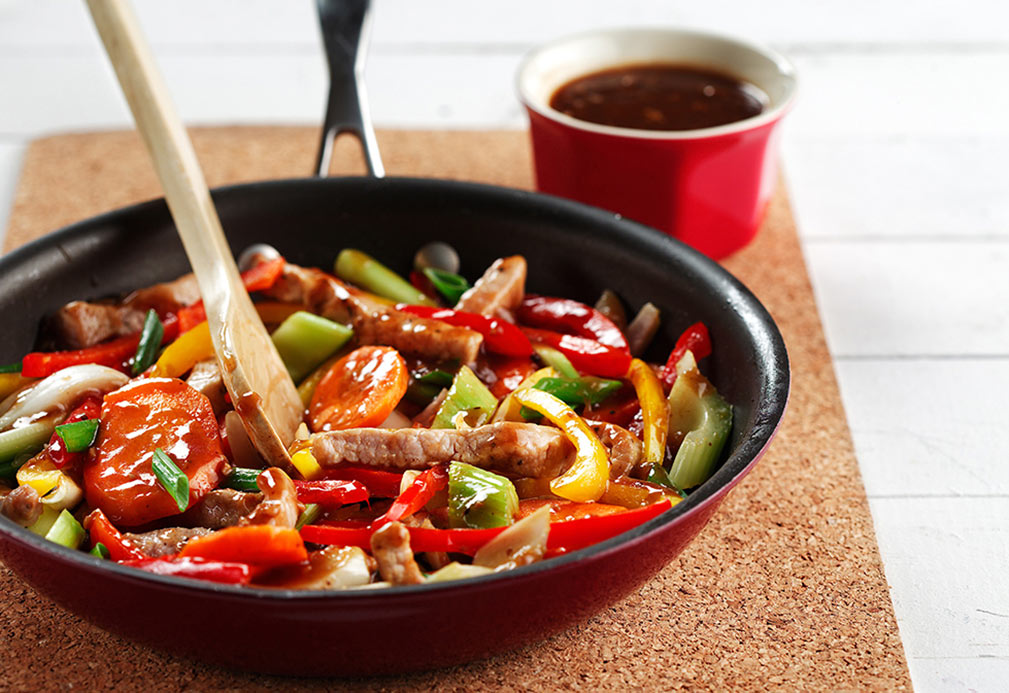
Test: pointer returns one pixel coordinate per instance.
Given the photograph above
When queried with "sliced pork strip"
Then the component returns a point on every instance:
(517, 449)
(80, 324)
(280, 500)
(22, 506)
(167, 297)
(501, 287)
(319, 292)
(222, 508)
(206, 378)
(390, 546)
(164, 542)
(622, 447)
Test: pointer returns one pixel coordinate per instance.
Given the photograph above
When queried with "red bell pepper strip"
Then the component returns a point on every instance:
(227, 572)
(380, 483)
(89, 408)
(102, 531)
(586, 355)
(259, 278)
(423, 285)
(572, 535)
(695, 339)
(416, 495)
(571, 317)
(331, 492)
(114, 354)
(256, 544)
(499, 336)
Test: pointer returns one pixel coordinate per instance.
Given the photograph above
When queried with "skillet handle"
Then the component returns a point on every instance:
(345, 25)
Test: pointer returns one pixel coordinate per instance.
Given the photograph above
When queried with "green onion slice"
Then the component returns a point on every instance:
(78, 436)
(99, 550)
(11, 368)
(243, 479)
(150, 341)
(309, 515)
(171, 477)
(449, 285)
(441, 378)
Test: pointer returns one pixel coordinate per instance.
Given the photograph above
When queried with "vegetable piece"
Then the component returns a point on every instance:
(66, 531)
(588, 390)
(654, 410)
(577, 534)
(59, 391)
(180, 356)
(136, 419)
(305, 340)
(58, 449)
(479, 498)
(114, 354)
(256, 544)
(258, 278)
(311, 513)
(11, 368)
(556, 360)
(331, 492)
(585, 480)
(379, 483)
(242, 479)
(457, 571)
(450, 286)
(499, 336)
(635, 493)
(694, 339)
(307, 387)
(11, 383)
(225, 572)
(361, 269)
(701, 419)
(520, 544)
(171, 478)
(275, 312)
(571, 317)
(416, 495)
(510, 409)
(586, 355)
(18, 444)
(45, 521)
(508, 373)
(609, 305)
(642, 329)
(360, 390)
(39, 473)
(103, 532)
(79, 435)
(66, 496)
(306, 464)
(469, 399)
(657, 474)
(99, 550)
(151, 335)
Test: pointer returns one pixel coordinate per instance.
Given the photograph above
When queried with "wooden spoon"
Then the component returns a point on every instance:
(259, 385)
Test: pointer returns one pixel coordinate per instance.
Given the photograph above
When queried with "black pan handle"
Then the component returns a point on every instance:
(345, 25)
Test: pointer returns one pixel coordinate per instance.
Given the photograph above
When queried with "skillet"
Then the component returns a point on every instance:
(573, 250)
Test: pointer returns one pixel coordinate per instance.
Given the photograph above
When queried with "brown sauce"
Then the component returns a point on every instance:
(659, 96)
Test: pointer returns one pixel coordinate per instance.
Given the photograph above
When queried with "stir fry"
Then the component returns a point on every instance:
(449, 430)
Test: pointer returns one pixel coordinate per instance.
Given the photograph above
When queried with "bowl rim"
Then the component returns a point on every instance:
(751, 448)
(786, 70)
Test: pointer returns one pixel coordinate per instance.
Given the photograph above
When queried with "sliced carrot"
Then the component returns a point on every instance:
(361, 389)
(256, 544)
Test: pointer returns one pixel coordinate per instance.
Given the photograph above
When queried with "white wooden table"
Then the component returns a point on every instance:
(896, 157)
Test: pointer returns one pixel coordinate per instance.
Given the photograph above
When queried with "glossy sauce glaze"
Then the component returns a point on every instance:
(659, 96)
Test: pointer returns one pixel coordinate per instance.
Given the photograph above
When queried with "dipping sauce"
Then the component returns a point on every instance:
(659, 96)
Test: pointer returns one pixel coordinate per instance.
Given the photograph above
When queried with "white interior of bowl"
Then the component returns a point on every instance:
(549, 67)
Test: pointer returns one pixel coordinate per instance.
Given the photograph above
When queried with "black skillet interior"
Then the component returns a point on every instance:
(572, 250)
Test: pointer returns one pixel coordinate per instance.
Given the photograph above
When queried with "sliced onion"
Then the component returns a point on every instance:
(642, 329)
(55, 394)
(523, 543)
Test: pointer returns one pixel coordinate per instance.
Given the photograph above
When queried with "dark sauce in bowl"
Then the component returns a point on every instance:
(659, 96)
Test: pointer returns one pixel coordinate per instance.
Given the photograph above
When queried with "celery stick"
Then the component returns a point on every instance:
(46, 520)
(28, 438)
(479, 498)
(370, 274)
(702, 419)
(305, 340)
(66, 531)
(469, 396)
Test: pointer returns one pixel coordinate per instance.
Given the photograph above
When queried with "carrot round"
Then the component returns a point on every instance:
(361, 389)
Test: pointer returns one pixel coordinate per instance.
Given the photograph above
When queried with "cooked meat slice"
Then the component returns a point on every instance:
(167, 297)
(502, 286)
(164, 542)
(223, 507)
(80, 324)
(373, 322)
(390, 546)
(22, 506)
(623, 447)
(519, 449)
(206, 378)
(280, 500)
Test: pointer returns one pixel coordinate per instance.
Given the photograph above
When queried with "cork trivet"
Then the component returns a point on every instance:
(783, 590)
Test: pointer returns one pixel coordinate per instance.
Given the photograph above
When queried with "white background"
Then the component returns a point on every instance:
(895, 157)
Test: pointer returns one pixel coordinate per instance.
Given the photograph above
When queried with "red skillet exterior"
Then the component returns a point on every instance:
(349, 633)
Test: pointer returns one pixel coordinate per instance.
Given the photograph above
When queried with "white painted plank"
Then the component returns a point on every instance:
(929, 427)
(438, 22)
(861, 186)
(11, 154)
(959, 675)
(893, 298)
(945, 560)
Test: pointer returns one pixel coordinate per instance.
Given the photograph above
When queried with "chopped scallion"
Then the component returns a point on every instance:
(243, 479)
(309, 515)
(171, 477)
(150, 341)
(80, 435)
(441, 378)
(449, 285)
(99, 550)
(558, 361)
(11, 368)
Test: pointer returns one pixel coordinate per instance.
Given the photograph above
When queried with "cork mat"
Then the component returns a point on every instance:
(783, 590)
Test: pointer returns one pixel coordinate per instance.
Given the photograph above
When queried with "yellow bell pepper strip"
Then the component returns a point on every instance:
(510, 409)
(39, 473)
(654, 410)
(9, 382)
(180, 356)
(306, 464)
(585, 480)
